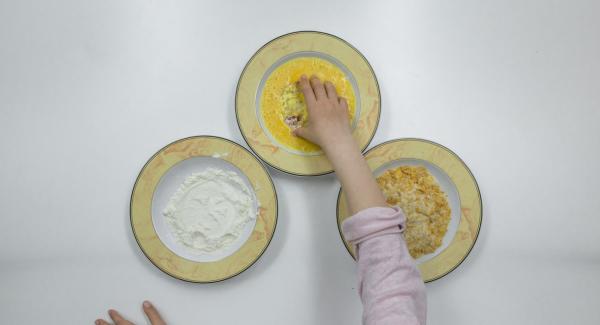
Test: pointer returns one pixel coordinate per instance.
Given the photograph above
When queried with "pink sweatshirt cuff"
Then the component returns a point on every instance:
(376, 221)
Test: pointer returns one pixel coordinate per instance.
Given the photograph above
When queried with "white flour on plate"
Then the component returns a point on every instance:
(209, 210)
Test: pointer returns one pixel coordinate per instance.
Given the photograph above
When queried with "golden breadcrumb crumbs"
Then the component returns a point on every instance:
(425, 206)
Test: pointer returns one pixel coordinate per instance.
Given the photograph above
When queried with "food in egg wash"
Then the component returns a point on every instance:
(282, 104)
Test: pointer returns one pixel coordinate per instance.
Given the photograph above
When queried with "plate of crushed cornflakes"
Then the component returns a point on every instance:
(439, 196)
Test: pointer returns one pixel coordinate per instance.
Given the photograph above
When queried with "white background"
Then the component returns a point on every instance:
(89, 90)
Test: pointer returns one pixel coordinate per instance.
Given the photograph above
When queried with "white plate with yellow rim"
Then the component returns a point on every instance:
(454, 179)
(160, 178)
(277, 66)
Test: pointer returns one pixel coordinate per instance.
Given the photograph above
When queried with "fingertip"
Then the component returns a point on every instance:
(303, 82)
(331, 91)
(152, 313)
(114, 315)
(343, 103)
(307, 90)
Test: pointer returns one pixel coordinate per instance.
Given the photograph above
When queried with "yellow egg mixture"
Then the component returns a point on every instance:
(282, 103)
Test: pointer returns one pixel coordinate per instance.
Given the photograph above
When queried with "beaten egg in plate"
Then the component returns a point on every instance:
(282, 106)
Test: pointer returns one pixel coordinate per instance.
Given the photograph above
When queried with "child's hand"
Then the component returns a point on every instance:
(328, 126)
(327, 114)
(149, 310)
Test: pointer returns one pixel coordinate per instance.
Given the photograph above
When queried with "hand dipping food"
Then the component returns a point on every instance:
(282, 103)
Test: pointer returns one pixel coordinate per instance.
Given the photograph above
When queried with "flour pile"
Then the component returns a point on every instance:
(210, 210)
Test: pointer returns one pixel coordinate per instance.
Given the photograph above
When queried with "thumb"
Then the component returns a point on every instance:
(300, 132)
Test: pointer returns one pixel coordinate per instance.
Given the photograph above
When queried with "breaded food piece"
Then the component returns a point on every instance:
(417, 193)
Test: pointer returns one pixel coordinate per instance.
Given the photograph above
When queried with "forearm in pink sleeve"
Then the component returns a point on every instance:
(390, 286)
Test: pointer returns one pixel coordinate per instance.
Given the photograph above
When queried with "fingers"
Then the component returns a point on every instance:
(343, 103)
(152, 314)
(306, 88)
(117, 318)
(318, 88)
(331, 93)
(101, 322)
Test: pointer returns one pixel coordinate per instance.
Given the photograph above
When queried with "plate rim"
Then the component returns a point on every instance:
(454, 267)
(362, 150)
(194, 137)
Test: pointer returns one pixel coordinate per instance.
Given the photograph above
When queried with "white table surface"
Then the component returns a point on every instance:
(89, 90)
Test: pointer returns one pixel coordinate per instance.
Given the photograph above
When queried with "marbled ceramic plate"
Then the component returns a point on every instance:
(454, 178)
(161, 176)
(280, 50)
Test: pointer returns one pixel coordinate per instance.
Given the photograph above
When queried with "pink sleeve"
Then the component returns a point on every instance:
(390, 286)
